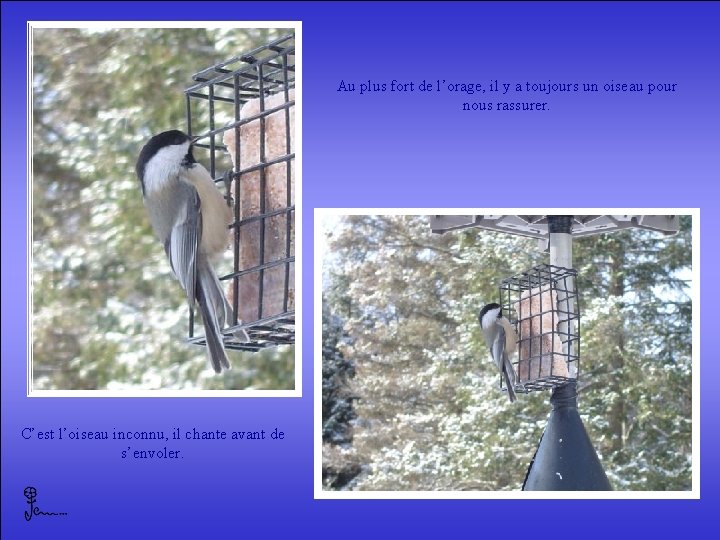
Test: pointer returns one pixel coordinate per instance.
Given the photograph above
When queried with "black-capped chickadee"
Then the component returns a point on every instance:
(190, 217)
(502, 340)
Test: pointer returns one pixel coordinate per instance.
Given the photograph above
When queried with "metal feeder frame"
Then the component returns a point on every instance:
(538, 365)
(257, 74)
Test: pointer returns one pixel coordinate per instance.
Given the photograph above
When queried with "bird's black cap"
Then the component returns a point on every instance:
(161, 140)
(487, 308)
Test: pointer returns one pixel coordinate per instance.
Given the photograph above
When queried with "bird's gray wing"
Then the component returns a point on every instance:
(503, 362)
(497, 349)
(183, 240)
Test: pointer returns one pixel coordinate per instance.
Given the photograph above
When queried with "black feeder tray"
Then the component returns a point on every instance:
(243, 113)
(542, 304)
(565, 459)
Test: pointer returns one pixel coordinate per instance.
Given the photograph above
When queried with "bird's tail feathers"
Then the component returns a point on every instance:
(226, 313)
(510, 379)
(213, 305)
(510, 388)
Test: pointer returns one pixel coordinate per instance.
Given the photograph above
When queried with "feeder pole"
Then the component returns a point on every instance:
(565, 459)
(560, 233)
(560, 229)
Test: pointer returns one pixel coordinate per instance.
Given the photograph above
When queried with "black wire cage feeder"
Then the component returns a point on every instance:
(543, 306)
(243, 113)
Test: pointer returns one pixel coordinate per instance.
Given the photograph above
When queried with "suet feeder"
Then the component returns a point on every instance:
(243, 113)
(543, 305)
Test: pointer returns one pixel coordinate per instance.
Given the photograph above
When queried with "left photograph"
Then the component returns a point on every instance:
(163, 209)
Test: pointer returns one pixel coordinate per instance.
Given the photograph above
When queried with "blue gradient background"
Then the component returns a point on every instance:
(371, 151)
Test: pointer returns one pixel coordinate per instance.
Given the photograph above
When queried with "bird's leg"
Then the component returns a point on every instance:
(227, 180)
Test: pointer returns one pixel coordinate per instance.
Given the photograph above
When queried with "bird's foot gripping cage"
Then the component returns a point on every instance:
(542, 305)
(243, 113)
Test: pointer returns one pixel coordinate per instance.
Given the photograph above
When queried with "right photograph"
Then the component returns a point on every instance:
(498, 353)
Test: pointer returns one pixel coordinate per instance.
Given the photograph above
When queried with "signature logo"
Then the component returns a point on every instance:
(31, 496)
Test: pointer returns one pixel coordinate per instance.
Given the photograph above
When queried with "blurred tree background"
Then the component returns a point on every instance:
(107, 311)
(427, 410)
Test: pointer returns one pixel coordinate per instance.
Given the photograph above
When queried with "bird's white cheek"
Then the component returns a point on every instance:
(158, 174)
(490, 318)
(164, 167)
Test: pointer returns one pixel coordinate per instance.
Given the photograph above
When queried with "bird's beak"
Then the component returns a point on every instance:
(194, 140)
